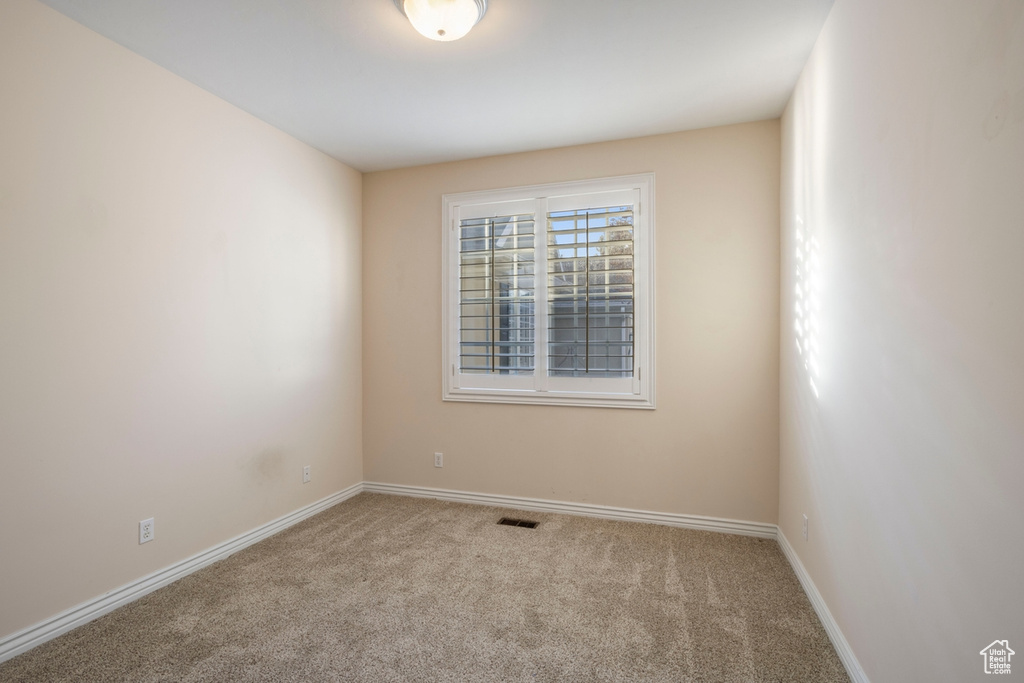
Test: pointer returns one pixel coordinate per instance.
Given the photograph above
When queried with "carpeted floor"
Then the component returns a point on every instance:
(386, 588)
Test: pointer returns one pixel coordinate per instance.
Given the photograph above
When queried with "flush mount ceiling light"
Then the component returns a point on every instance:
(443, 19)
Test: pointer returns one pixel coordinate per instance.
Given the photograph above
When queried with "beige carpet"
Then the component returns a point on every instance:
(384, 588)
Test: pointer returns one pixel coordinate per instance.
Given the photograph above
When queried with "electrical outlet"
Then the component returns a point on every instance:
(146, 531)
(305, 474)
(438, 459)
(805, 527)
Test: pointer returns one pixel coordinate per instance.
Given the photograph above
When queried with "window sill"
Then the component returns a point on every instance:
(550, 398)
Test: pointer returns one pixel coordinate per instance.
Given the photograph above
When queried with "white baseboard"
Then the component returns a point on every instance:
(37, 634)
(730, 526)
(853, 668)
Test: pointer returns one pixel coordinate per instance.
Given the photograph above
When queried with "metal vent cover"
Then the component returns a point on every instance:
(511, 521)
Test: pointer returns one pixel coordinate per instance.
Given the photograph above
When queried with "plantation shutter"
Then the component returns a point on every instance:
(548, 294)
(590, 292)
(497, 295)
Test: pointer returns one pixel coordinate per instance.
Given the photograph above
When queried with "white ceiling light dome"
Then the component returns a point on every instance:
(443, 20)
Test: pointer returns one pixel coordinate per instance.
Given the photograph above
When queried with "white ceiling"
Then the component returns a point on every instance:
(352, 77)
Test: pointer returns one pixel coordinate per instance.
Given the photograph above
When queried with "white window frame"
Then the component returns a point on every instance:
(539, 388)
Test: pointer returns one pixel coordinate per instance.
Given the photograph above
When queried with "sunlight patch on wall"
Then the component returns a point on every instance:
(807, 302)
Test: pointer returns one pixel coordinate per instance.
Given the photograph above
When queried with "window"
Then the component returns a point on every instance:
(549, 294)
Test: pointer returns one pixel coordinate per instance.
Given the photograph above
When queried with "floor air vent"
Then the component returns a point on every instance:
(509, 521)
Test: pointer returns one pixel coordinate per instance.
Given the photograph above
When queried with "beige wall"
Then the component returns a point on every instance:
(710, 447)
(903, 156)
(180, 296)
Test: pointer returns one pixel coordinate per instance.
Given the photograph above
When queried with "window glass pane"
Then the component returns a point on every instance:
(497, 295)
(590, 292)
